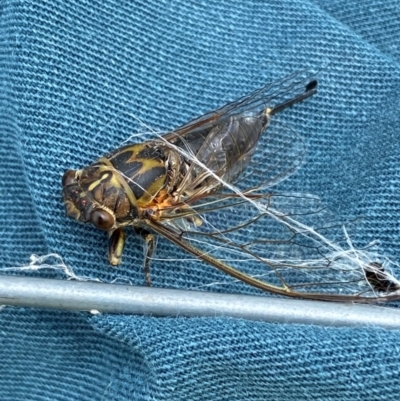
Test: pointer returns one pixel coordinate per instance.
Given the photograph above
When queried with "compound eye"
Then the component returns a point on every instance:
(69, 178)
(102, 219)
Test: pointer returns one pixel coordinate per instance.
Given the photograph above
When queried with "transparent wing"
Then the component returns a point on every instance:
(221, 144)
(269, 95)
(288, 245)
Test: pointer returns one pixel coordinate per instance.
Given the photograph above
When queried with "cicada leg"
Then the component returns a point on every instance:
(149, 247)
(116, 246)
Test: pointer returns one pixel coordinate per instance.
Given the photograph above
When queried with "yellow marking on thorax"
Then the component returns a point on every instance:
(94, 184)
(135, 149)
(148, 164)
(118, 181)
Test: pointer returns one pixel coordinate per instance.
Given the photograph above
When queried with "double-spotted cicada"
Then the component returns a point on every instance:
(189, 187)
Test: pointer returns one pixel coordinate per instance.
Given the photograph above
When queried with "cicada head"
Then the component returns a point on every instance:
(98, 194)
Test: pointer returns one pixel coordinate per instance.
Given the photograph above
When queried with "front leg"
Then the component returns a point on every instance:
(116, 244)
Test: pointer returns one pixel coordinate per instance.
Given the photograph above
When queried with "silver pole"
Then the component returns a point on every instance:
(114, 298)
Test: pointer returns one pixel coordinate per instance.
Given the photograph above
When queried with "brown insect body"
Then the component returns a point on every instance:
(134, 179)
(155, 186)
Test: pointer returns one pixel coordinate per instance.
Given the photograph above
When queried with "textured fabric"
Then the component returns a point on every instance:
(74, 73)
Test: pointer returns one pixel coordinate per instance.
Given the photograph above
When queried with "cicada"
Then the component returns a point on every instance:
(189, 186)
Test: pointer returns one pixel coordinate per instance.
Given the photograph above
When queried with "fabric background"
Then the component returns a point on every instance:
(73, 74)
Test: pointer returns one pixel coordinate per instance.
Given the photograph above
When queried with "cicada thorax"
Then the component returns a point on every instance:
(133, 178)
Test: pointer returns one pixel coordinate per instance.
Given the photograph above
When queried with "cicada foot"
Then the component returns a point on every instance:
(116, 245)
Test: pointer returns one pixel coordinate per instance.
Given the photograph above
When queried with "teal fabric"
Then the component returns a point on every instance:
(76, 76)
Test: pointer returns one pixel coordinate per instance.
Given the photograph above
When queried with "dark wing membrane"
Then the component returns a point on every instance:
(269, 95)
(288, 245)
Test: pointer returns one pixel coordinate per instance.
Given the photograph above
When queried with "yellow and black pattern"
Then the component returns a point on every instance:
(144, 168)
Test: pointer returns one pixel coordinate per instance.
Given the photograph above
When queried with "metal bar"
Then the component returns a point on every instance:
(115, 298)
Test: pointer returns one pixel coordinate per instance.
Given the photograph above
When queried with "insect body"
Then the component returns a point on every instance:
(167, 185)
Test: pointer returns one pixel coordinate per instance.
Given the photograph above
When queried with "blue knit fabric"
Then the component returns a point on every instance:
(74, 73)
